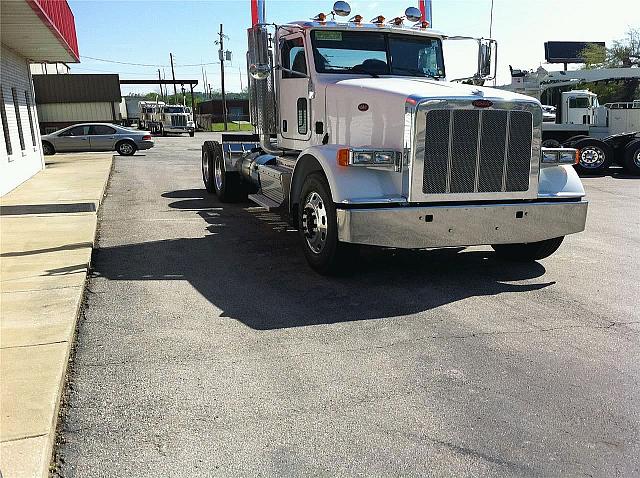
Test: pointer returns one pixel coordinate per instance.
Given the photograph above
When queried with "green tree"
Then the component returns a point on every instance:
(624, 53)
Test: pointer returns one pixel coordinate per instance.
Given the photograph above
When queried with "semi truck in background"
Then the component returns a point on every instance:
(604, 134)
(361, 140)
(161, 118)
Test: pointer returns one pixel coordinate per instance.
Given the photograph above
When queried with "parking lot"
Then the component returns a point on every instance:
(208, 347)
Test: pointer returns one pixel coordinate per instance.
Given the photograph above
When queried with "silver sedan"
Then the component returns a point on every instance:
(96, 137)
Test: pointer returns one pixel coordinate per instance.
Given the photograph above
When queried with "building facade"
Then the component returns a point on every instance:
(31, 31)
(63, 100)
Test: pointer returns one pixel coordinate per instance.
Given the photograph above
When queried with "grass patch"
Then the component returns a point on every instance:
(232, 126)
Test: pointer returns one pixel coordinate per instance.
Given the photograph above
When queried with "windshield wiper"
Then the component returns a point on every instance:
(354, 69)
(415, 71)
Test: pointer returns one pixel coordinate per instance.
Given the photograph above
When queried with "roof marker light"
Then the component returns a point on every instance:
(356, 19)
(320, 17)
(396, 21)
(379, 20)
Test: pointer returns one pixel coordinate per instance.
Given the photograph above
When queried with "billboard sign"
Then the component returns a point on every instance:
(567, 51)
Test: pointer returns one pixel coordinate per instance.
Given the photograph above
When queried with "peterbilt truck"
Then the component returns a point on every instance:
(161, 118)
(361, 140)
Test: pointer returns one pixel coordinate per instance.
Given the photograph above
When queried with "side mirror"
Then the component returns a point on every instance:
(413, 14)
(485, 58)
(260, 71)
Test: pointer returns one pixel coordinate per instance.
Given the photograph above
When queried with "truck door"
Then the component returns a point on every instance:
(295, 108)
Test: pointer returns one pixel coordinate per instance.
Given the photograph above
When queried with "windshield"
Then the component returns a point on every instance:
(377, 53)
(174, 109)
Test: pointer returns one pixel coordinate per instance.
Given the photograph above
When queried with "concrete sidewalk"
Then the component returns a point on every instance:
(47, 231)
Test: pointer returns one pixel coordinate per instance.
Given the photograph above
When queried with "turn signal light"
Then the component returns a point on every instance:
(342, 156)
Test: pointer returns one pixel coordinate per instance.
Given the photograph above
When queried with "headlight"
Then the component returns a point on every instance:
(559, 156)
(369, 157)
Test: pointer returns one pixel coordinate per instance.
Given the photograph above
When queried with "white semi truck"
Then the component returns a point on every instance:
(360, 139)
(604, 134)
(161, 118)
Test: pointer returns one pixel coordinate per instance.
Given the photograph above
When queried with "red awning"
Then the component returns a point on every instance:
(40, 30)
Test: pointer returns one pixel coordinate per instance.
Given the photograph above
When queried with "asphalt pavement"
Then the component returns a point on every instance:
(207, 347)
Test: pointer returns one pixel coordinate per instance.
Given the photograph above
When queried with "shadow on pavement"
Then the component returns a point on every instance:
(252, 268)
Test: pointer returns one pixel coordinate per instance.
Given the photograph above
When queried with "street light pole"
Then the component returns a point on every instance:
(224, 98)
(173, 74)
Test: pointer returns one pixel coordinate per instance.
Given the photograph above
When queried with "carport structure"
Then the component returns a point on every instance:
(160, 82)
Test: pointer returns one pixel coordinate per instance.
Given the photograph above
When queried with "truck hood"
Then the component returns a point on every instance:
(425, 88)
(371, 111)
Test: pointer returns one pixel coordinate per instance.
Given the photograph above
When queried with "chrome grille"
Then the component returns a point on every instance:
(476, 151)
(178, 120)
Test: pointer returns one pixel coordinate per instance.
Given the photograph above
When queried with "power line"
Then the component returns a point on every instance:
(149, 65)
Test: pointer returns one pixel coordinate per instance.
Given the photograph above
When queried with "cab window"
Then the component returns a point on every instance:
(293, 57)
(578, 102)
(76, 131)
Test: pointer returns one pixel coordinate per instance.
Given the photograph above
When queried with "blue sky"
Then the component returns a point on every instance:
(145, 31)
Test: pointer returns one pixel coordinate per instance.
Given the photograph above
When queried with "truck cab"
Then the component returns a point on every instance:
(361, 139)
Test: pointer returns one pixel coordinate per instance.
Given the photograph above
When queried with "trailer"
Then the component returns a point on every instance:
(361, 140)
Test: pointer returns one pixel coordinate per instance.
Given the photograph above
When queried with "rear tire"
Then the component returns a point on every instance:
(192, 133)
(318, 228)
(126, 148)
(631, 160)
(162, 131)
(529, 251)
(227, 185)
(595, 156)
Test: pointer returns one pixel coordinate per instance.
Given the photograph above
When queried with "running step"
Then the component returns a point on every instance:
(275, 182)
(264, 201)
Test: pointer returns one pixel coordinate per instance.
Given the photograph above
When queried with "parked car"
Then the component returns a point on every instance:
(548, 114)
(96, 137)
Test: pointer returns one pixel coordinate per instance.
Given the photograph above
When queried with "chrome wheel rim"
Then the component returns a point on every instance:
(205, 167)
(126, 148)
(591, 157)
(636, 158)
(314, 222)
(218, 175)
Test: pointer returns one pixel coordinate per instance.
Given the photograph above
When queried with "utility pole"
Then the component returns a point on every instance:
(224, 98)
(173, 75)
(160, 83)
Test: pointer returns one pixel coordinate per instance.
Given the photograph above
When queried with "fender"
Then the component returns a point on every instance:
(347, 183)
(560, 182)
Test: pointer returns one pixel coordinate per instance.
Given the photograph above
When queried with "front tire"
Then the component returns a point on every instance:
(48, 149)
(126, 148)
(318, 227)
(529, 251)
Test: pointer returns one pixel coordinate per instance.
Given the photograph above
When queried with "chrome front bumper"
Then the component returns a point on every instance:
(414, 227)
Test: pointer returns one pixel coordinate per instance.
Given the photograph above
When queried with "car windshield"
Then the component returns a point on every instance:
(377, 53)
(174, 109)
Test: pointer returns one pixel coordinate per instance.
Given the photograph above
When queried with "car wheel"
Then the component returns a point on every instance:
(47, 148)
(528, 252)
(126, 148)
(631, 161)
(594, 156)
(318, 228)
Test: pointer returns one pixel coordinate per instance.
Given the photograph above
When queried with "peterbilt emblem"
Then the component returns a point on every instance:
(363, 107)
(482, 103)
